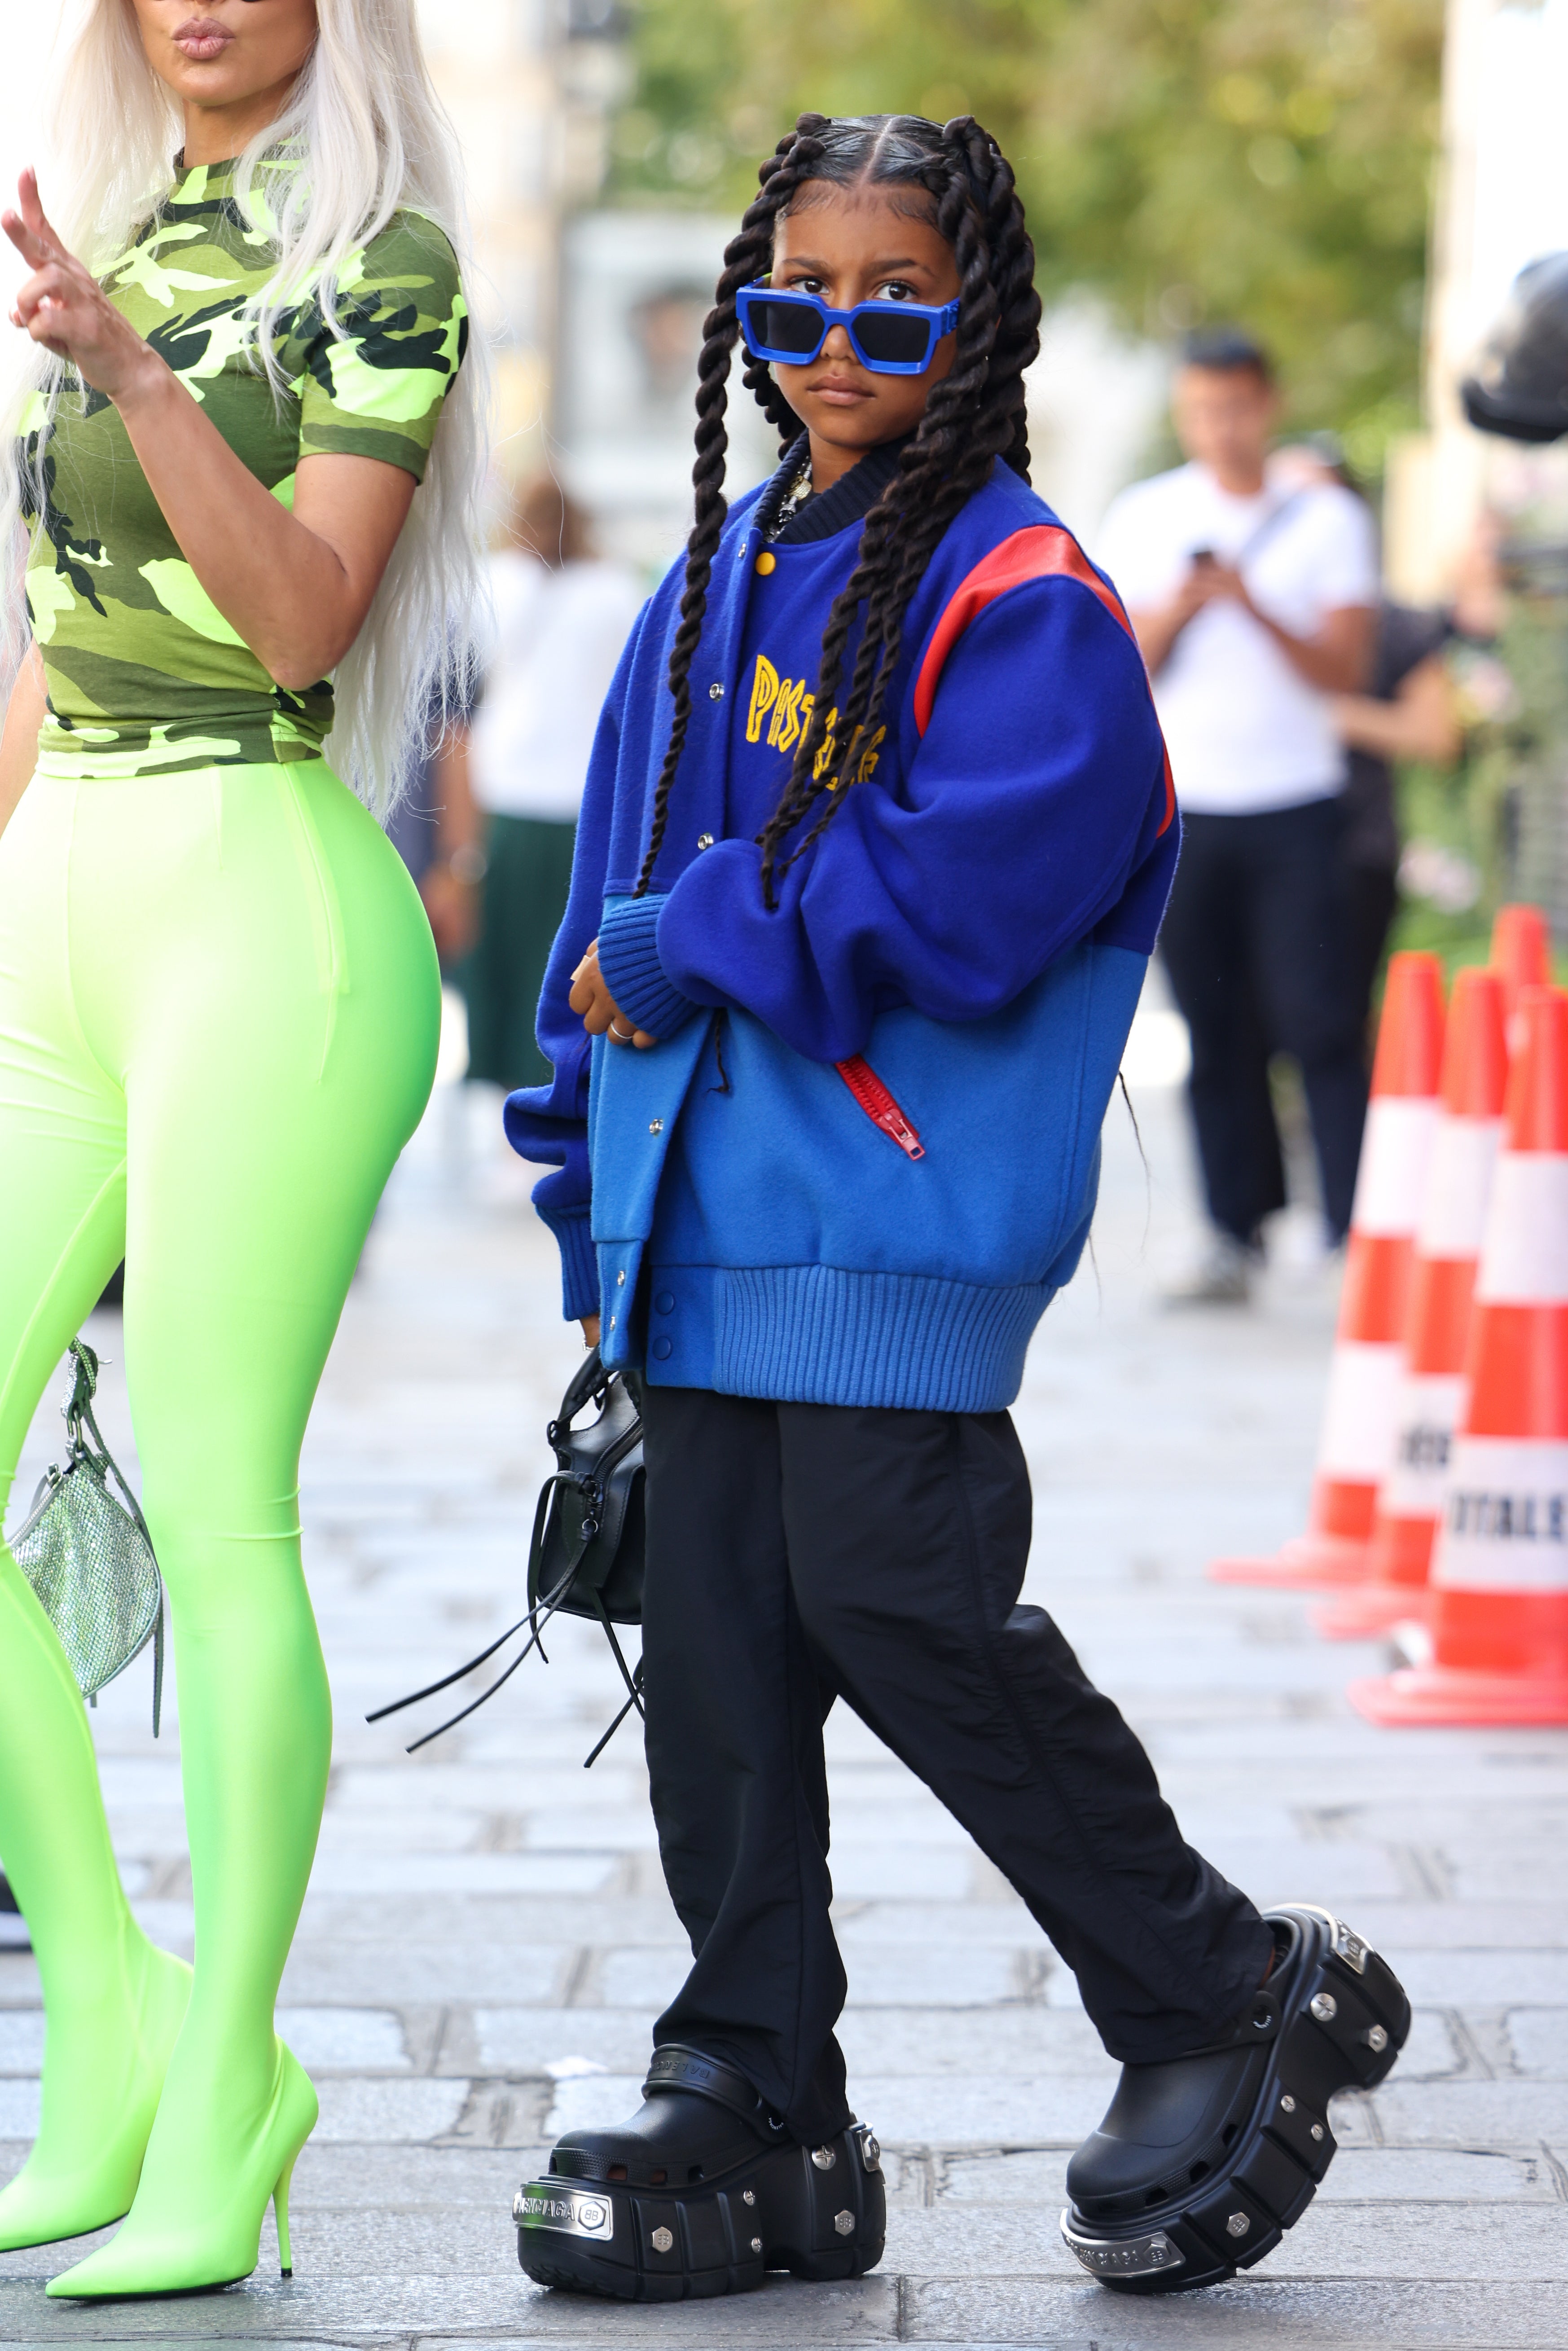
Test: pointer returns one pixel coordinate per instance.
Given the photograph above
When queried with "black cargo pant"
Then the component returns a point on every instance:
(1257, 944)
(800, 1552)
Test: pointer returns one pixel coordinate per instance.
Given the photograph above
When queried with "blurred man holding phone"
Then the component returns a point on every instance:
(1253, 598)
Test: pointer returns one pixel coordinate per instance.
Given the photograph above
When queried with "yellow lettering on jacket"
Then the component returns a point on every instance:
(763, 694)
(791, 707)
(786, 723)
(869, 756)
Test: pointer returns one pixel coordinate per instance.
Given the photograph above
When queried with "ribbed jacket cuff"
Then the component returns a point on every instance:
(579, 1261)
(628, 958)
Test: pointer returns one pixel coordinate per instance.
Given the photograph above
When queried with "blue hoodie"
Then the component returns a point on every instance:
(863, 1155)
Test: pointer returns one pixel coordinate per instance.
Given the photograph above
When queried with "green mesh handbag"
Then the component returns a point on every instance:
(88, 1556)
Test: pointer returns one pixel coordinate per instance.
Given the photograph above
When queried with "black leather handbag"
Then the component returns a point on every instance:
(586, 1557)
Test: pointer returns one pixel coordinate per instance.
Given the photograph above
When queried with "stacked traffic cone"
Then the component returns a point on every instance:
(1448, 1246)
(1520, 956)
(1499, 1575)
(1356, 1447)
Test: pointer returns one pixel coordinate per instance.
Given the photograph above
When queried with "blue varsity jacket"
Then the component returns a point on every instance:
(864, 1154)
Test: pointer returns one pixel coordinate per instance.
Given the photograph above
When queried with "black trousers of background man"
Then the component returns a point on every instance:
(796, 1553)
(1257, 942)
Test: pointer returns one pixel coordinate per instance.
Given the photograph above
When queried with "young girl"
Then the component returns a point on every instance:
(875, 845)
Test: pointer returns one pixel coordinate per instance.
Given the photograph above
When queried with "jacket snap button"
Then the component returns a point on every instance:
(705, 840)
(655, 1126)
(665, 1302)
(715, 693)
(620, 1280)
(766, 562)
(664, 1349)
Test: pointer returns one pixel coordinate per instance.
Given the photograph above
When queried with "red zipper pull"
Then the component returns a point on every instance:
(879, 1104)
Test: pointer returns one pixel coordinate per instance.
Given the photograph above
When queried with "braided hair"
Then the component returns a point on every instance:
(974, 415)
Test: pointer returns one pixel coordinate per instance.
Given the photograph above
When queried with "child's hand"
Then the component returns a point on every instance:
(601, 1013)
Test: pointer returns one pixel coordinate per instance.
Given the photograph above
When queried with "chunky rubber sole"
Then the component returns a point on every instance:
(819, 2213)
(1345, 2019)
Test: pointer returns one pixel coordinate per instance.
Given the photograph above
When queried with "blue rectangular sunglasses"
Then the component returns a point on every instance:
(888, 338)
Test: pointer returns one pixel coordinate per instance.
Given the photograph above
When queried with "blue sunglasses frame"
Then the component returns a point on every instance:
(937, 321)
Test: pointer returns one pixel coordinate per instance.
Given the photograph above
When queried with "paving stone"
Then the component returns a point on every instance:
(18, 2109)
(948, 2110)
(399, 1970)
(346, 2178)
(918, 1974)
(21, 2041)
(996, 2042)
(342, 2040)
(1540, 2039)
(443, 2307)
(1519, 2242)
(1253, 2313)
(1468, 2113)
(427, 1873)
(1495, 1978)
(617, 2041)
(382, 2113)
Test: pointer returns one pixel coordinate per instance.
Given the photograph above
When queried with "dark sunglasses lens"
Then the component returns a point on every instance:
(786, 327)
(884, 335)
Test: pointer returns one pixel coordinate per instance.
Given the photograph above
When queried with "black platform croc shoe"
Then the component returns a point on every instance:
(1202, 2163)
(700, 2193)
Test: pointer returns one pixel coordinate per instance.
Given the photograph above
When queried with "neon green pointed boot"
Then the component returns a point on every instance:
(103, 2076)
(113, 2002)
(216, 2239)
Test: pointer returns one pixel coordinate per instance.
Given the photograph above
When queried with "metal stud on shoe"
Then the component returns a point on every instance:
(1238, 2225)
(844, 2222)
(662, 2239)
(1324, 2007)
(823, 2157)
(1375, 2039)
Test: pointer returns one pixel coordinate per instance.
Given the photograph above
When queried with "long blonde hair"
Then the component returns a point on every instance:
(373, 140)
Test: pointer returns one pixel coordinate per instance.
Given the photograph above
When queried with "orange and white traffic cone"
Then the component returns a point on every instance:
(1520, 956)
(1447, 1247)
(1357, 1443)
(1499, 1574)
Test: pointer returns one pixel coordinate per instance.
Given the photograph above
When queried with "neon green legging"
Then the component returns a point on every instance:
(219, 1006)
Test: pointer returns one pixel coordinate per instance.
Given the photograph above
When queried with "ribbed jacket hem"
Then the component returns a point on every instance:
(628, 958)
(823, 1334)
(579, 1261)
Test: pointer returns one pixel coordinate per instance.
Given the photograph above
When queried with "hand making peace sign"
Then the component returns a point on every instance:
(63, 307)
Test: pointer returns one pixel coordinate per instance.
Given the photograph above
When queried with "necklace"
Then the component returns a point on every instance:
(794, 499)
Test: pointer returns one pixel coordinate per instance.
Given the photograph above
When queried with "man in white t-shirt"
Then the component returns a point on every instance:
(563, 616)
(1253, 599)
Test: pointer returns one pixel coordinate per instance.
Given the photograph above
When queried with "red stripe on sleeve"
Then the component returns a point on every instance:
(1045, 551)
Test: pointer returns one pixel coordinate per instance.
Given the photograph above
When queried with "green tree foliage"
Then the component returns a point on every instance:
(1266, 160)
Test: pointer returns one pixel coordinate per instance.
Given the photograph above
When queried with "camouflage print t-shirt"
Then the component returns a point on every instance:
(144, 673)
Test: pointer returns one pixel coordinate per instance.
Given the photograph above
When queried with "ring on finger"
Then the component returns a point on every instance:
(621, 1035)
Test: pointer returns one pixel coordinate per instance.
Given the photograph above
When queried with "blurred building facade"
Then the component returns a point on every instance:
(530, 86)
(1502, 200)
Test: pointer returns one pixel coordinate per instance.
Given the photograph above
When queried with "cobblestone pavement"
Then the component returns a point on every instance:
(487, 1939)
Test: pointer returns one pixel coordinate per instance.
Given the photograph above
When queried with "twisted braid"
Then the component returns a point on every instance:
(976, 414)
(746, 256)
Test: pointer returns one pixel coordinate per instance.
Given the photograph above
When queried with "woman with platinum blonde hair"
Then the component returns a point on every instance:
(248, 464)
